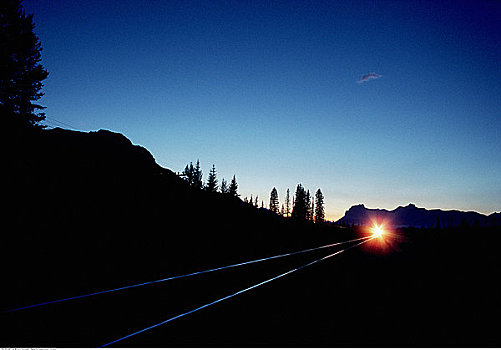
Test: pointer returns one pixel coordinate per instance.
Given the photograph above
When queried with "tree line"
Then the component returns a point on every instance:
(302, 207)
(193, 176)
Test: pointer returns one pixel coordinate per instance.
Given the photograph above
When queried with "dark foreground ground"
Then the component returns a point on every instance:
(420, 288)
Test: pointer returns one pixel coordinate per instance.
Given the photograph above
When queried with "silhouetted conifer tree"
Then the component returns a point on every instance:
(197, 176)
(212, 180)
(233, 190)
(189, 174)
(319, 207)
(224, 186)
(256, 202)
(21, 73)
(274, 206)
(308, 206)
(312, 218)
(299, 211)
(287, 204)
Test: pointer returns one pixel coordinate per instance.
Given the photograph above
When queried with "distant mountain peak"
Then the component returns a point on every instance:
(413, 216)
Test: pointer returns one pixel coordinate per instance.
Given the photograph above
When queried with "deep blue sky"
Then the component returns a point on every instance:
(267, 90)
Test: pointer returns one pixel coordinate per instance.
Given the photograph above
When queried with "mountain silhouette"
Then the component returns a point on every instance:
(413, 216)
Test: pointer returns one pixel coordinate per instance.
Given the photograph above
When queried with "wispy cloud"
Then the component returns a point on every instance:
(367, 77)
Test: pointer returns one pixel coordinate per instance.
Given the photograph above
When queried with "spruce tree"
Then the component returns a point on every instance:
(287, 204)
(299, 209)
(224, 186)
(185, 173)
(212, 180)
(197, 176)
(189, 174)
(233, 190)
(274, 206)
(21, 73)
(319, 207)
(308, 206)
(312, 217)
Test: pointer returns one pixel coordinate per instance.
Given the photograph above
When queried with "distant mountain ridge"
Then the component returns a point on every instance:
(412, 216)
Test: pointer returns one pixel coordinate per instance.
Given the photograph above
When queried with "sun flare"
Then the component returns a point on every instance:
(377, 231)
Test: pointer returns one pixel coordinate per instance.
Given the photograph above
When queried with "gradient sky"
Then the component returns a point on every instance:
(270, 91)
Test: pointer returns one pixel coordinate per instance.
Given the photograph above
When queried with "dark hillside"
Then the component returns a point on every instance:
(91, 210)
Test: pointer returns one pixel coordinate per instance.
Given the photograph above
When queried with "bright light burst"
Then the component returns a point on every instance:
(377, 231)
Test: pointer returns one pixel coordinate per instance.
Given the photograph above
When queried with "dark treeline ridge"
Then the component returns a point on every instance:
(91, 210)
(304, 207)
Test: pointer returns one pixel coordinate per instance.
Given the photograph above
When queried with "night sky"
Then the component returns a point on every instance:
(377, 102)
